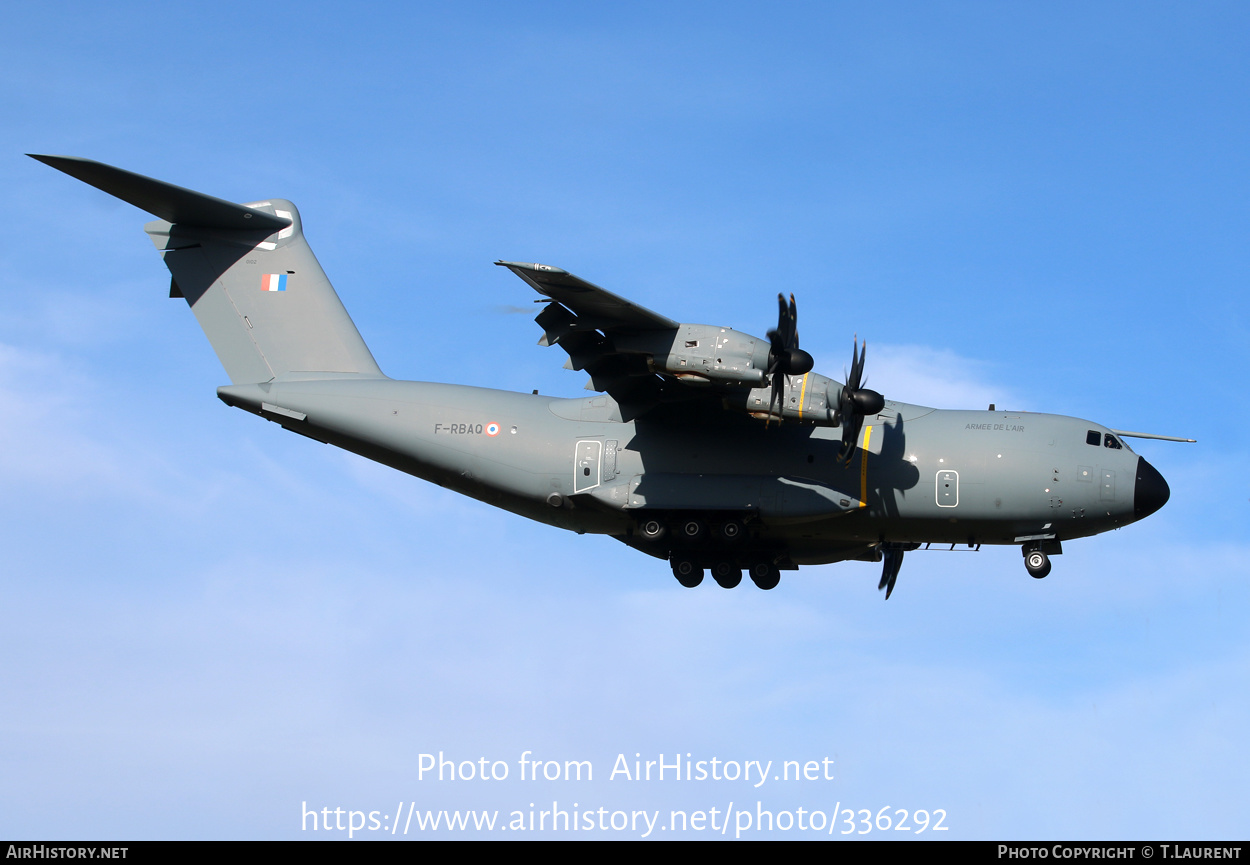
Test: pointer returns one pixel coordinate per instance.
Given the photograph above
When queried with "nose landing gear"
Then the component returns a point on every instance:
(1037, 555)
(1037, 564)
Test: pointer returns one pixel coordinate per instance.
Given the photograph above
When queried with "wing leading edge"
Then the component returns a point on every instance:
(594, 307)
(605, 335)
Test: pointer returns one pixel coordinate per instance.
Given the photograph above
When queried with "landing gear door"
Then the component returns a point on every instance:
(587, 462)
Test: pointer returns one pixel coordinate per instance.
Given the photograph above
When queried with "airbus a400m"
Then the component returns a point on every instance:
(704, 446)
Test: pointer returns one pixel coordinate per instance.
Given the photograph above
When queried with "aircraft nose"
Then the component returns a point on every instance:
(1150, 492)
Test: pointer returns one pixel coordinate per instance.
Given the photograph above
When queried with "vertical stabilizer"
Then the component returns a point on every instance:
(249, 276)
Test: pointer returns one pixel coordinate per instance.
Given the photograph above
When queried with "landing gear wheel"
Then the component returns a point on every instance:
(652, 529)
(726, 574)
(693, 530)
(1037, 563)
(765, 575)
(687, 573)
(731, 530)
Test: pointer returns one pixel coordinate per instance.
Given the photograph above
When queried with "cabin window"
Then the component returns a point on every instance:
(1112, 442)
(1093, 437)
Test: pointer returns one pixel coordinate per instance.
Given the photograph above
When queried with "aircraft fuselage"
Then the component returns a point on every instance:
(919, 475)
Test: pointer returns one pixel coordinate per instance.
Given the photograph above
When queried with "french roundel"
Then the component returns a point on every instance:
(492, 429)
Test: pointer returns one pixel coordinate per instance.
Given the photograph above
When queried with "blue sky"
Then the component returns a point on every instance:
(210, 622)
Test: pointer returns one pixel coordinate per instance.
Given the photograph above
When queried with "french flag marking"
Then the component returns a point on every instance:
(273, 282)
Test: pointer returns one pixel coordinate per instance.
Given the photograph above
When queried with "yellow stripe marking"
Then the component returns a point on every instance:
(863, 469)
(803, 395)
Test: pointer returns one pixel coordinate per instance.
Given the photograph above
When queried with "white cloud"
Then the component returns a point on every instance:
(927, 376)
(43, 423)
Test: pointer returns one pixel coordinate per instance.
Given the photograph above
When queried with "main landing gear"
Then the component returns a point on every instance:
(687, 572)
(765, 575)
(726, 572)
(718, 545)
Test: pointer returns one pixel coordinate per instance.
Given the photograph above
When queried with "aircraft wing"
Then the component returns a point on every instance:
(594, 307)
(600, 332)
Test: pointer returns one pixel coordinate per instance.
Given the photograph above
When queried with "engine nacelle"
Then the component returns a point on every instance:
(809, 398)
(696, 353)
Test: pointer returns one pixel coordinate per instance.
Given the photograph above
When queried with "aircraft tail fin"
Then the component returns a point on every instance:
(248, 274)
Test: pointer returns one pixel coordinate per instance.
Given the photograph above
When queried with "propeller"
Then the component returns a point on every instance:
(892, 557)
(784, 355)
(855, 401)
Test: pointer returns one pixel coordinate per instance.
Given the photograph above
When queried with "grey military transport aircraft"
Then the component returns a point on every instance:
(706, 447)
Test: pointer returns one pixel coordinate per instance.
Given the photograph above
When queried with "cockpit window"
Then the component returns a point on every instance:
(1112, 442)
(1093, 437)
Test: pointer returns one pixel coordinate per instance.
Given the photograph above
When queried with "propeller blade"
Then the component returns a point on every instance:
(854, 379)
(777, 396)
(785, 358)
(778, 337)
(856, 402)
(892, 559)
(851, 425)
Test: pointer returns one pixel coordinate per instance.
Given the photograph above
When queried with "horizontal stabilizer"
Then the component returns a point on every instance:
(171, 203)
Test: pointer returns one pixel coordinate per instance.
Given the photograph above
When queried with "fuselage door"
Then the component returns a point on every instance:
(587, 460)
(947, 489)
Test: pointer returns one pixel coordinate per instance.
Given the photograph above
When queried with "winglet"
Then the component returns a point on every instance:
(171, 203)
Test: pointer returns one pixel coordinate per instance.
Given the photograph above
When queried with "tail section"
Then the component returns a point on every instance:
(249, 276)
